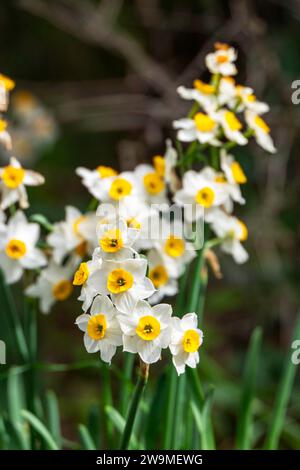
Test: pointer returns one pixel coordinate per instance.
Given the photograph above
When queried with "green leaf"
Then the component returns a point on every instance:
(119, 423)
(53, 418)
(244, 427)
(41, 429)
(202, 416)
(85, 438)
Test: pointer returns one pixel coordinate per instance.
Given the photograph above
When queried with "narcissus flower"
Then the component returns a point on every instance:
(81, 279)
(202, 127)
(73, 235)
(96, 181)
(146, 330)
(221, 61)
(6, 85)
(18, 250)
(234, 232)
(5, 138)
(53, 285)
(235, 177)
(115, 239)
(101, 328)
(151, 183)
(199, 195)
(202, 93)
(13, 179)
(160, 276)
(125, 281)
(186, 340)
(247, 100)
(231, 126)
(261, 131)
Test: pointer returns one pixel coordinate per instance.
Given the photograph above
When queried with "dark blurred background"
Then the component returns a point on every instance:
(107, 71)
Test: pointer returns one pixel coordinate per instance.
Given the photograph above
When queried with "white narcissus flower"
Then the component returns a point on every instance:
(115, 239)
(96, 180)
(81, 278)
(231, 126)
(175, 250)
(53, 284)
(160, 276)
(151, 183)
(235, 176)
(119, 188)
(146, 330)
(101, 328)
(201, 127)
(18, 250)
(247, 100)
(221, 61)
(5, 138)
(125, 281)
(202, 93)
(261, 131)
(13, 179)
(186, 340)
(200, 195)
(6, 85)
(226, 91)
(234, 232)
(75, 234)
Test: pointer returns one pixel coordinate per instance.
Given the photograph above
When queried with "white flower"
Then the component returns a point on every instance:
(235, 176)
(175, 250)
(115, 239)
(152, 186)
(226, 91)
(13, 179)
(118, 188)
(231, 126)
(185, 342)
(96, 180)
(221, 61)
(234, 231)
(53, 284)
(200, 195)
(202, 93)
(247, 100)
(5, 138)
(81, 278)
(6, 85)
(124, 280)
(170, 158)
(101, 328)
(160, 276)
(201, 127)
(146, 330)
(18, 247)
(261, 131)
(76, 233)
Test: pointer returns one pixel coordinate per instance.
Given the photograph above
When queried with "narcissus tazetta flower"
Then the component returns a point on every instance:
(13, 179)
(202, 93)
(165, 285)
(146, 330)
(96, 180)
(53, 285)
(231, 126)
(101, 328)
(125, 281)
(221, 61)
(186, 340)
(151, 183)
(261, 131)
(202, 127)
(116, 238)
(18, 249)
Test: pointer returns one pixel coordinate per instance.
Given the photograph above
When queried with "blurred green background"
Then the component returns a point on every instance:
(107, 72)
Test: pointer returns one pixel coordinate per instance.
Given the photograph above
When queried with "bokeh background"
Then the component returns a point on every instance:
(101, 77)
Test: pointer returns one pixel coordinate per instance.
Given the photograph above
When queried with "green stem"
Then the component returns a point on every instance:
(125, 392)
(134, 405)
(196, 282)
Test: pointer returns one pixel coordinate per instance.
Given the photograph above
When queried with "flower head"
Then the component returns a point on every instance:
(221, 61)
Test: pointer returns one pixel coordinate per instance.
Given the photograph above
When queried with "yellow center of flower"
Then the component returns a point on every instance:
(238, 173)
(81, 275)
(3, 125)
(112, 241)
(244, 231)
(174, 246)
(259, 122)
(148, 328)
(232, 122)
(159, 164)
(62, 289)
(15, 249)
(222, 58)
(221, 46)
(12, 177)
(7, 82)
(119, 189)
(132, 222)
(153, 183)
(204, 87)
(220, 179)
(106, 171)
(251, 98)
(119, 281)
(204, 123)
(97, 326)
(205, 197)
(191, 341)
(76, 225)
(158, 276)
